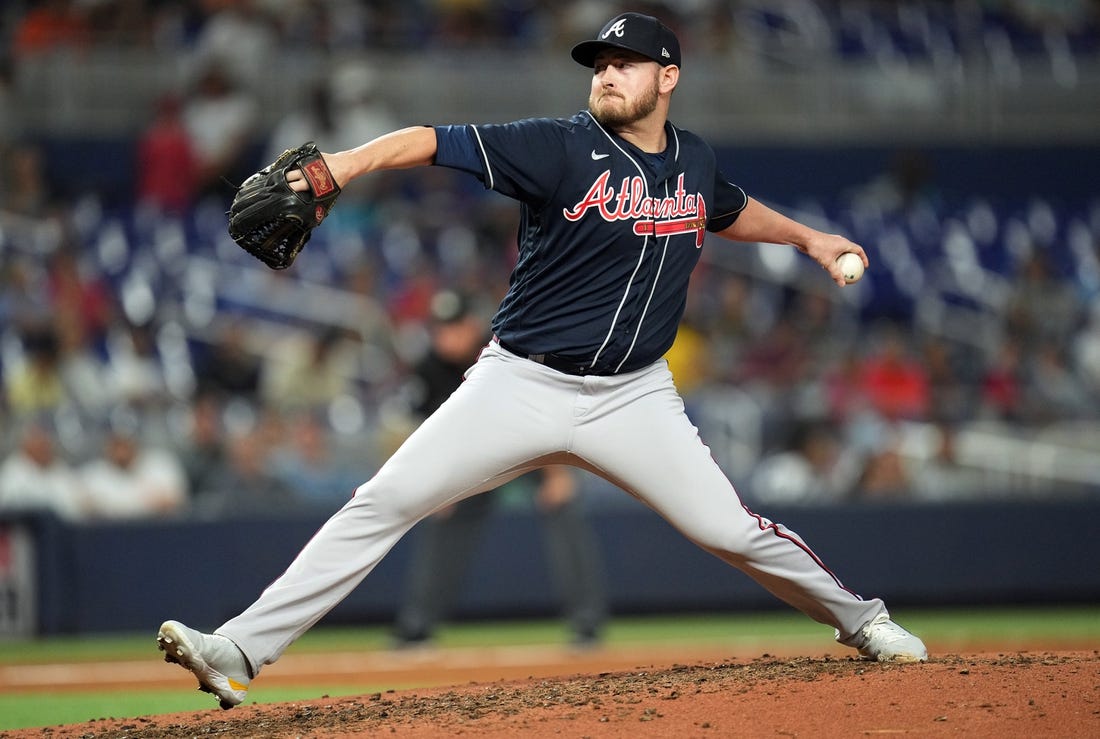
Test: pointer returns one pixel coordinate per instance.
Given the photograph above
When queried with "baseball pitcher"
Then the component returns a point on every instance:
(615, 204)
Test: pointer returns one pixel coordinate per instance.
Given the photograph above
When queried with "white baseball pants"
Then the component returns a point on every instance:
(512, 415)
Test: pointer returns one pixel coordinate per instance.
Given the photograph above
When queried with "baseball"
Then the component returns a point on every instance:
(851, 266)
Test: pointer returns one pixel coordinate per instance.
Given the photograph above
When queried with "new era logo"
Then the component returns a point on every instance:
(665, 54)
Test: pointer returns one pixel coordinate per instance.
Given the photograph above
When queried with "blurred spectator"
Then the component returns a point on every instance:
(35, 384)
(24, 301)
(342, 111)
(1002, 385)
(773, 369)
(246, 486)
(1043, 16)
(314, 120)
(843, 398)
(308, 466)
(54, 368)
(118, 23)
(24, 187)
(815, 468)
(950, 395)
(10, 125)
(1086, 351)
(894, 381)
(1041, 307)
(34, 477)
(81, 299)
(134, 368)
(373, 330)
(410, 300)
(689, 359)
(457, 335)
(203, 450)
(310, 369)
(229, 366)
(83, 372)
(909, 181)
(465, 23)
(723, 306)
(885, 475)
(360, 111)
(270, 429)
(942, 477)
(51, 25)
(776, 361)
(131, 480)
(826, 331)
(167, 166)
(221, 119)
(1054, 390)
(239, 36)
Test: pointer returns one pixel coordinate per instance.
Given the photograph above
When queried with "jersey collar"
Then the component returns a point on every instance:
(671, 166)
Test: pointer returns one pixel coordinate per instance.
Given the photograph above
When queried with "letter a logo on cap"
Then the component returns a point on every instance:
(616, 29)
(641, 34)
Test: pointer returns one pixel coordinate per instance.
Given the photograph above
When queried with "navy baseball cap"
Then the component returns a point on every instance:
(635, 32)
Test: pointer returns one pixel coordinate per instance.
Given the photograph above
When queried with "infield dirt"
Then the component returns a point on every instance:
(985, 694)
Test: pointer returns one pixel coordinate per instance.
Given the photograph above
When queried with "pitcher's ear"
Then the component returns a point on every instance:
(669, 76)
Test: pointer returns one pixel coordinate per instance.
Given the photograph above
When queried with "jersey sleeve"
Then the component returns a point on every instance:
(454, 148)
(729, 201)
(523, 160)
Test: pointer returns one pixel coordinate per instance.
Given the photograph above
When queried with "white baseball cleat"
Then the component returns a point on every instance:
(883, 640)
(213, 659)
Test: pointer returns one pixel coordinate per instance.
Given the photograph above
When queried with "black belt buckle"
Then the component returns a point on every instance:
(553, 361)
(568, 366)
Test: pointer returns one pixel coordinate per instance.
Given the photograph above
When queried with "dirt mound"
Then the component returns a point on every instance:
(1032, 694)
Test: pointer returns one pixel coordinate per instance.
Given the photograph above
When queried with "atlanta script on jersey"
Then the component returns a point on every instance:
(608, 234)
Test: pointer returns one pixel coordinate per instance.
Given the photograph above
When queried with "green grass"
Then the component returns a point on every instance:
(1078, 625)
(24, 710)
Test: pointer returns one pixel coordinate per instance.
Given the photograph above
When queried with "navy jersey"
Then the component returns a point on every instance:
(608, 234)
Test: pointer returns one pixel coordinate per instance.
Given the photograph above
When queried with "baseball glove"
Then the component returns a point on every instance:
(271, 221)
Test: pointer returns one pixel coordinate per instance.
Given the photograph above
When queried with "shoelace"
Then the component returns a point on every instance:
(888, 631)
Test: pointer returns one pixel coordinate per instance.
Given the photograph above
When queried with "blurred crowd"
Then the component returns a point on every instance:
(252, 28)
(149, 369)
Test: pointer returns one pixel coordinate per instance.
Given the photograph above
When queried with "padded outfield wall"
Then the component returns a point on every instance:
(130, 577)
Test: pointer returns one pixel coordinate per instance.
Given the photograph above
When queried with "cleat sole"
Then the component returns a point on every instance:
(175, 652)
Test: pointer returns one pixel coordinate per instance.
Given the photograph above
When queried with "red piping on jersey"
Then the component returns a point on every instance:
(800, 544)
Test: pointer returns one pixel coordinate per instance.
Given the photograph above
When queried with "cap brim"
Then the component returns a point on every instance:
(585, 52)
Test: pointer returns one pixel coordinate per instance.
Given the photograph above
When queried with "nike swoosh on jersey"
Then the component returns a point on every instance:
(597, 157)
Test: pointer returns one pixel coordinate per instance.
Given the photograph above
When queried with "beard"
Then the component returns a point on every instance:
(614, 111)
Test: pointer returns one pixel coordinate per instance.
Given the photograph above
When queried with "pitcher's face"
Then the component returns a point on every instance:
(625, 88)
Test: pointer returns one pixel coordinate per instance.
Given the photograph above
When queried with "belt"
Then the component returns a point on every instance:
(557, 362)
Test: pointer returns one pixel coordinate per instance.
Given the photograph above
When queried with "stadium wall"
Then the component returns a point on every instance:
(131, 576)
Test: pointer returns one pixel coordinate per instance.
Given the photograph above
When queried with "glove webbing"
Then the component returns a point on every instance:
(276, 243)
